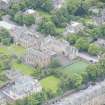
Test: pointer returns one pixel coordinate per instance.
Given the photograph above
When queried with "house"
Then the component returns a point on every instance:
(100, 18)
(58, 3)
(6, 25)
(52, 44)
(73, 27)
(100, 42)
(4, 4)
(38, 58)
(3, 100)
(22, 87)
(12, 74)
(27, 39)
(30, 12)
(49, 48)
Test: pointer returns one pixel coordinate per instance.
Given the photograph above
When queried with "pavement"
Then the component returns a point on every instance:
(88, 57)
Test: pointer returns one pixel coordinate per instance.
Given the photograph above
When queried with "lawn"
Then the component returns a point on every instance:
(50, 83)
(77, 67)
(13, 49)
(25, 69)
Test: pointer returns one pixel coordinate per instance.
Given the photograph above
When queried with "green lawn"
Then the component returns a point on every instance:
(44, 14)
(77, 67)
(50, 83)
(25, 69)
(13, 49)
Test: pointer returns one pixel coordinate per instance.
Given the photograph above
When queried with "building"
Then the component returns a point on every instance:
(30, 12)
(50, 47)
(73, 27)
(22, 87)
(3, 100)
(37, 58)
(6, 25)
(12, 74)
(27, 39)
(100, 42)
(100, 18)
(58, 3)
(52, 44)
(5, 4)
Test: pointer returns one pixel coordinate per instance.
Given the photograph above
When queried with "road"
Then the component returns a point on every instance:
(88, 57)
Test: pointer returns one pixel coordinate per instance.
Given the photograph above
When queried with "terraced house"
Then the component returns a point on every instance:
(22, 87)
(37, 58)
(27, 39)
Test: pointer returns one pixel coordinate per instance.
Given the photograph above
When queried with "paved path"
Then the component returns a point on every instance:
(88, 57)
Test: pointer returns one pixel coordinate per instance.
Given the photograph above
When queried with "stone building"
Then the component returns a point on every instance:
(22, 87)
(36, 58)
(3, 100)
(27, 39)
(58, 3)
(53, 44)
(73, 27)
(5, 4)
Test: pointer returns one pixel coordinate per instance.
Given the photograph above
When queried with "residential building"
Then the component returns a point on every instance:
(58, 3)
(30, 12)
(6, 25)
(73, 27)
(36, 58)
(22, 87)
(100, 42)
(5, 4)
(28, 39)
(12, 74)
(3, 100)
(52, 44)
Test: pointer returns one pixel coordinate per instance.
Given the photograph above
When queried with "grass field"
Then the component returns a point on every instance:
(25, 69)
(77, 67)
(50, 83)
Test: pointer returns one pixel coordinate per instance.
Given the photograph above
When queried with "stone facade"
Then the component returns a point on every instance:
(5, 4)
(49, 47)
(37, 58)
(58, 3)
(27, 39)
(73, 27)
(22, 87)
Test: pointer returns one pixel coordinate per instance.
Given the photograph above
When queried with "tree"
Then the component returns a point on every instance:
(47, 27)
(28, 19)
(5, 37)
(72, 38)
(18, 18)
(82, 44)
(76, 80)
(92, 72)
(45, 5)
(54, 64)
(94, 49)
(60, 17)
